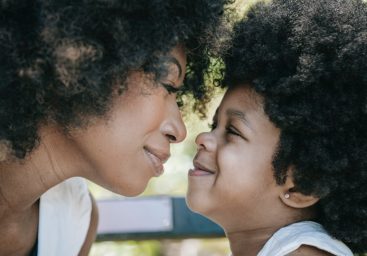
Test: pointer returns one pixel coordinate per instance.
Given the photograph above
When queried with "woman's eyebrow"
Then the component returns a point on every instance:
(173, 60)
(240, 115)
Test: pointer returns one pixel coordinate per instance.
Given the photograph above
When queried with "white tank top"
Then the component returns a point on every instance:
(289, 238)
(64, 218)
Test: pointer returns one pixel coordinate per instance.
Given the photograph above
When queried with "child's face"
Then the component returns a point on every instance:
(232, 180)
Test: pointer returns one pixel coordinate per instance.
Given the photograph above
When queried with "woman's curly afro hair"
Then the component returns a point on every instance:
(308, 59)
(60, 59)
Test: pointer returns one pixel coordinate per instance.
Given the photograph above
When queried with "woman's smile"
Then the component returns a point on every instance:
(157, 158)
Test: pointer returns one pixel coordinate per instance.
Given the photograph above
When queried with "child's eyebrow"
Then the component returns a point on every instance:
(240, 115)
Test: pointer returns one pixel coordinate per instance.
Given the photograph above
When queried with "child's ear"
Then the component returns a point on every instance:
(290, 197)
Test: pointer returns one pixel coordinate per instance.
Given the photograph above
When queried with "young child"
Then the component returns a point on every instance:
(284, 168)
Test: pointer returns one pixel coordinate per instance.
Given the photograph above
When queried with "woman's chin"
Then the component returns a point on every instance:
(132, 193)
(129, 190)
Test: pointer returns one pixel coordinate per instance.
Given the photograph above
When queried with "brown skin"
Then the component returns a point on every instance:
(20, 228)
(114, 152)
(92, 231)
(232, 182)
(309, 250)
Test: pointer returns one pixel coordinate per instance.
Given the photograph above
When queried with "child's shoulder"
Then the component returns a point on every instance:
(304, 238)
(306, 250)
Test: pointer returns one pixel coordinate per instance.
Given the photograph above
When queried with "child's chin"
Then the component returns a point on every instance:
(195, 202)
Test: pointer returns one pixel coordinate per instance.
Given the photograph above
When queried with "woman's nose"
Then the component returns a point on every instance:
(174, 128)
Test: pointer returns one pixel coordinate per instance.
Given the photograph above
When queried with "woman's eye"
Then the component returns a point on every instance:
(180, 102)
(212, 126)
(170, 88)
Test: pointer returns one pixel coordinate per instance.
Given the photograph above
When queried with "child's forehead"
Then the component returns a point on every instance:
(242, 107)
(242, 96)
(241, 102)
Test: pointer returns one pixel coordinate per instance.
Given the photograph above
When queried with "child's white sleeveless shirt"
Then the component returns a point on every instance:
(289, 238)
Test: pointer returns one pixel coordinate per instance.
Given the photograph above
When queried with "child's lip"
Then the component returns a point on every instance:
(203, 167)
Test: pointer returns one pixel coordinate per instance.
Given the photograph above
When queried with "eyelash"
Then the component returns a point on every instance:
(232, 131)
(229, 129)
(212, 126)
(170, 89)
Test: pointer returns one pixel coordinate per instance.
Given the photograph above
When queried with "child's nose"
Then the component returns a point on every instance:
(205, 141)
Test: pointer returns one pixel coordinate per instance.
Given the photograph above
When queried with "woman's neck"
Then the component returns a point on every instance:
(22, 182)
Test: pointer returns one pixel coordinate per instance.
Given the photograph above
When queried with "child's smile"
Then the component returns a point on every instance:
(201, 168)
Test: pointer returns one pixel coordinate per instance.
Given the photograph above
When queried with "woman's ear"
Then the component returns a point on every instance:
(290, 197)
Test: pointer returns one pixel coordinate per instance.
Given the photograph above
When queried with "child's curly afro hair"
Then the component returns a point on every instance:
(59, 59)
(308, 59)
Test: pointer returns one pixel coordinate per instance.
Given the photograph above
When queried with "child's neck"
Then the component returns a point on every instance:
(249, 242)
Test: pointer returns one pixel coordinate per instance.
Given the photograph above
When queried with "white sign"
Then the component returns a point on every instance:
(135, 215)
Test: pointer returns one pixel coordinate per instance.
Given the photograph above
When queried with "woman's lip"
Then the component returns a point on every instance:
(157, 160)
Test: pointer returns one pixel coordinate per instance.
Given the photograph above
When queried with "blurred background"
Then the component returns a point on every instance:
(173, 182)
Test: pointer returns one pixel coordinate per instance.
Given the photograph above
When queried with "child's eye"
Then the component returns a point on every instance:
(233, 131)
(170, 88)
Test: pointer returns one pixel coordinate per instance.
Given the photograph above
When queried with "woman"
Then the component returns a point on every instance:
(88, 89)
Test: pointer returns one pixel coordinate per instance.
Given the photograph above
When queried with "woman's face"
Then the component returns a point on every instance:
(232, 179)
(130, 147)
